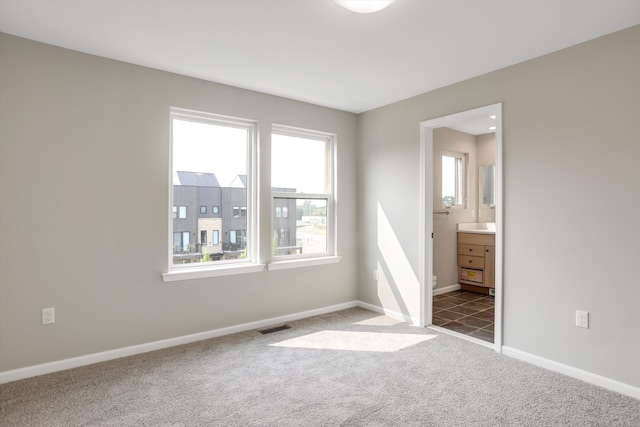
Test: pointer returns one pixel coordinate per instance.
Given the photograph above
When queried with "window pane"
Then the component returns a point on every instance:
(304, 233)
(210, 169)
(298, 164)
(312, 230)
(448, 180)
(453, 179)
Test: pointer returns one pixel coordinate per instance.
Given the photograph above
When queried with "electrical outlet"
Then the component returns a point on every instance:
(582, 319)
(48, 315)
(375, 274)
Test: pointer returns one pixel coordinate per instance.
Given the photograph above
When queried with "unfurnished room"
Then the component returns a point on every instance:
(319, 213)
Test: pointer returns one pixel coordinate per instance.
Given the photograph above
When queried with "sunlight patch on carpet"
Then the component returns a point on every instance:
(379, 321)
(355, 341)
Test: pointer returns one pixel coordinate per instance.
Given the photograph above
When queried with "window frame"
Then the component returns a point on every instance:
(330, 255)
(249, 264)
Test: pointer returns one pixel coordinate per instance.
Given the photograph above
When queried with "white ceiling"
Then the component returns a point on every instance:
(314, 50)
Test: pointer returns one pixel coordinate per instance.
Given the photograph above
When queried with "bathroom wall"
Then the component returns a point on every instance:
(486, 145)
(445, 260)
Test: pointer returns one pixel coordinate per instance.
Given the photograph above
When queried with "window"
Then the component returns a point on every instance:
(239, 211)
(212, 165)
(179, 212)
(238, 238)
(182, 212)
(454, 179)
(302, 181)
(180, 242)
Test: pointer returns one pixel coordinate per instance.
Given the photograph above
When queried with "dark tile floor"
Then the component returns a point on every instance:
(466, 313)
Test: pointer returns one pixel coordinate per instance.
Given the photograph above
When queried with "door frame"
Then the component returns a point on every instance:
(426, 212)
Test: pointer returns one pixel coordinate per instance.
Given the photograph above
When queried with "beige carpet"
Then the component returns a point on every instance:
(350, 368)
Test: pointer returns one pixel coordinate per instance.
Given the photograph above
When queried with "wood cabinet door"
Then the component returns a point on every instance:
(471, 262)
(471, 250)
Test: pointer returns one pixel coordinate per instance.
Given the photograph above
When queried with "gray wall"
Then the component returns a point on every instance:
(84, 183)
(82, 138)
(570, 199)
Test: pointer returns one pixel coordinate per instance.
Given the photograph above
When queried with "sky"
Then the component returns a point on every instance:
(202, 147)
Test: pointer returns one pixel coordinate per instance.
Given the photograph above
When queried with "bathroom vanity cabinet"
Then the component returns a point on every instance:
(476, 261)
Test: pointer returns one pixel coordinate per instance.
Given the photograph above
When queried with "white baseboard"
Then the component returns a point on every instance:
(89, 359)
(438, 291)
(393, 314)
(570, 371)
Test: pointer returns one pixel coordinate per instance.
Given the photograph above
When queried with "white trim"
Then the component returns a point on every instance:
(215, 271)
(426, 208)
(425, 227)
(589, 377)
(461, 336)
(306, 262)
(444, 290)
(499, 209)
(89, 359)
(393, 314)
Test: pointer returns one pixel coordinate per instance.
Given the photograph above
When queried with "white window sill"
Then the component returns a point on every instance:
(204, 272)
(307, 262)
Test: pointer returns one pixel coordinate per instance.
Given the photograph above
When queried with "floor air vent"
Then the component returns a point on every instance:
(274, 329)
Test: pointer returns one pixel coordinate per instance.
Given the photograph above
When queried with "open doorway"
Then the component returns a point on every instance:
(457, 175)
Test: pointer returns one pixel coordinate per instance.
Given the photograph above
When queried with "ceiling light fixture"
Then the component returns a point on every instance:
(364, 6)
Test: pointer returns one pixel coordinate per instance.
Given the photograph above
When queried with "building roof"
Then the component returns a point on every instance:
(240, 181)
(195, 179)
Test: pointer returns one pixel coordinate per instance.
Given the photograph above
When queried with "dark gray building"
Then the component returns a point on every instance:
(210, 221)
(197, 216)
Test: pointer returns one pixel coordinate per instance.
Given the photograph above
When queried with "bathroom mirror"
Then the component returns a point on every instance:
(486, 181)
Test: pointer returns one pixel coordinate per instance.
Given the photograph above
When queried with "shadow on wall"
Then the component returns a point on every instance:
(395, 274)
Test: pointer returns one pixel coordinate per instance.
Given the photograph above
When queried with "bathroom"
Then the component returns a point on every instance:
(464, 228)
